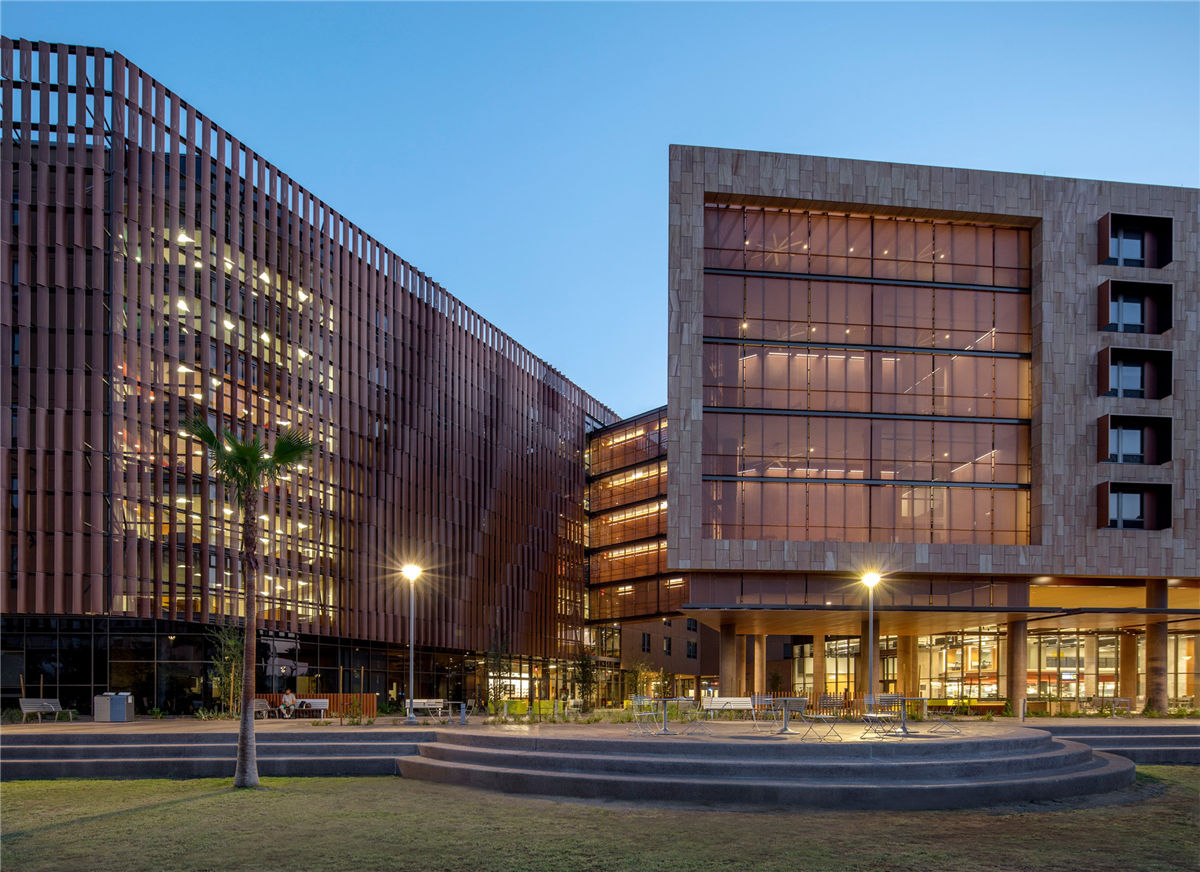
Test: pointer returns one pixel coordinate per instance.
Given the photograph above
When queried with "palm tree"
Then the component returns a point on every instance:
(247, 467)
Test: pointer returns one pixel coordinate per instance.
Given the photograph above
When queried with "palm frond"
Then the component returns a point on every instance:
(291, 447)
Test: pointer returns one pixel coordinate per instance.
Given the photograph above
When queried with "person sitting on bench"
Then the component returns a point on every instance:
(287, 705)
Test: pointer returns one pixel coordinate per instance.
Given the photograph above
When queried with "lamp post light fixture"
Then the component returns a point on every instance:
(870, 580)
(412, 572)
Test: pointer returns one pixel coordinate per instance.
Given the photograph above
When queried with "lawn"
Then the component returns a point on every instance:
(390, 823)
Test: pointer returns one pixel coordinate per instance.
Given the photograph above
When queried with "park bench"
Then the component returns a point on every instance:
(311, 708)
(39, 707)
(434, 707)
(264, 708)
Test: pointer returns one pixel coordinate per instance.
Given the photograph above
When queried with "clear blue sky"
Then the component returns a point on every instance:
(518, 153)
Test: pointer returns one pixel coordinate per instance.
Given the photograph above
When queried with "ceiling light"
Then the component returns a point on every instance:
(181, 306)
(303, 296)
(215, 382)
(227, 511)
(228, 324)
(183, 237)
(183, 367)
(265, 276)
(265, 336)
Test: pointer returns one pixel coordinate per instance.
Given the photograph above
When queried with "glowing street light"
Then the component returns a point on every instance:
(412, 572)
(870, 580)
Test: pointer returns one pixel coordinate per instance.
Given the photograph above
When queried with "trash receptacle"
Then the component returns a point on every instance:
(113, 707)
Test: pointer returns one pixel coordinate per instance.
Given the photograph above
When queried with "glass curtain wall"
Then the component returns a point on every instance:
(867, 378)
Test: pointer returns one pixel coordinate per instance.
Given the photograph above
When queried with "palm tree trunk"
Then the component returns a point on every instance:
(246, 774)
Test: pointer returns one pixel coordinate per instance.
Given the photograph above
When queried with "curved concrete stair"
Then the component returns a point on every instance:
(1018, 765)
(1163, 742)
(201, 755)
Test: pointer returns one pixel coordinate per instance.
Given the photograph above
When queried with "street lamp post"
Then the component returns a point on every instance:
(412, 572)
(870, 580)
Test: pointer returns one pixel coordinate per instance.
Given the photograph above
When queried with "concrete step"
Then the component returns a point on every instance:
(1101, 774)
(1013, 740)
(222, 750)
(196, 767)
(1165, 755)
(1141, 740)
(9, 738)
(1116, 726)
(1059, 755)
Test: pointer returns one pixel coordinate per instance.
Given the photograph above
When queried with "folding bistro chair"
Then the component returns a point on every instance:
(822, 723)
(882, 720)
(645, 716)
(763, 712)
(692, 718)
(943, 721)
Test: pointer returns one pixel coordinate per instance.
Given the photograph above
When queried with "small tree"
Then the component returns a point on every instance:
(498, 663)
(643, 676)
(229, 652)
(665, 679)
(247, 467)
(583, 672)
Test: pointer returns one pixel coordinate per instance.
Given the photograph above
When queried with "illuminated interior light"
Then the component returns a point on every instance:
(851, 249)
(265, 336)
(263, 518)
(303, 296)
(183, 237)
(885, 251)
(181, 306)
(227, 511)
(228, 324)
(181, 501)
(265, 276)
(197, 264)
(183, 367)
(196, 395)
(302, 526)
(215, 382)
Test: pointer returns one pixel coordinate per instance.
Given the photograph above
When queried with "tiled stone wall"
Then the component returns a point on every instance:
(1063, 214)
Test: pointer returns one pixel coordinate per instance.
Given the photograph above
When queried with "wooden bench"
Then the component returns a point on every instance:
(435, 707)
(39, 707)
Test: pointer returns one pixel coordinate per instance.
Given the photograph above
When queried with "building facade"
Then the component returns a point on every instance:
(156, 268)
(981, 385)
(632, 598)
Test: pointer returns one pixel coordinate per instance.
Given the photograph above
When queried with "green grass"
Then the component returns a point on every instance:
(375, 823)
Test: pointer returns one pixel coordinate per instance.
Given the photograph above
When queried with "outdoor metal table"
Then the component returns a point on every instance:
(904, 701)
(667, 700)
(789, 704)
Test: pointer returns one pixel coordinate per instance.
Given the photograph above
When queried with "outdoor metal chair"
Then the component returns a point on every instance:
(943, 721)
(763, 712)
(646, 716)
(882, 719)
(692, 718)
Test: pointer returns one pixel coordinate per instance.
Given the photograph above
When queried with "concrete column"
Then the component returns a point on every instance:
(1091, 665)
(818, 673)
(760, 664)
(1127, 684)
(908, 680)
(1017, 664)
(860, 669)
(728, 676)
(1156, 646)
(740, 667)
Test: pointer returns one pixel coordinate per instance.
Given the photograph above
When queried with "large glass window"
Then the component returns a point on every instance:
(1126, 510)
(1127, 313)
(877, 388)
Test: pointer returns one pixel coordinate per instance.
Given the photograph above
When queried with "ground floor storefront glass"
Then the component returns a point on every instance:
(168, 666)
(1061, 665)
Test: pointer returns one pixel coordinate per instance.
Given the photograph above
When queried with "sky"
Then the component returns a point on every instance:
(517, 153)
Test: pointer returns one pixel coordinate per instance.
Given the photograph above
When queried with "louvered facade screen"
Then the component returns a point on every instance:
(156, 268)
